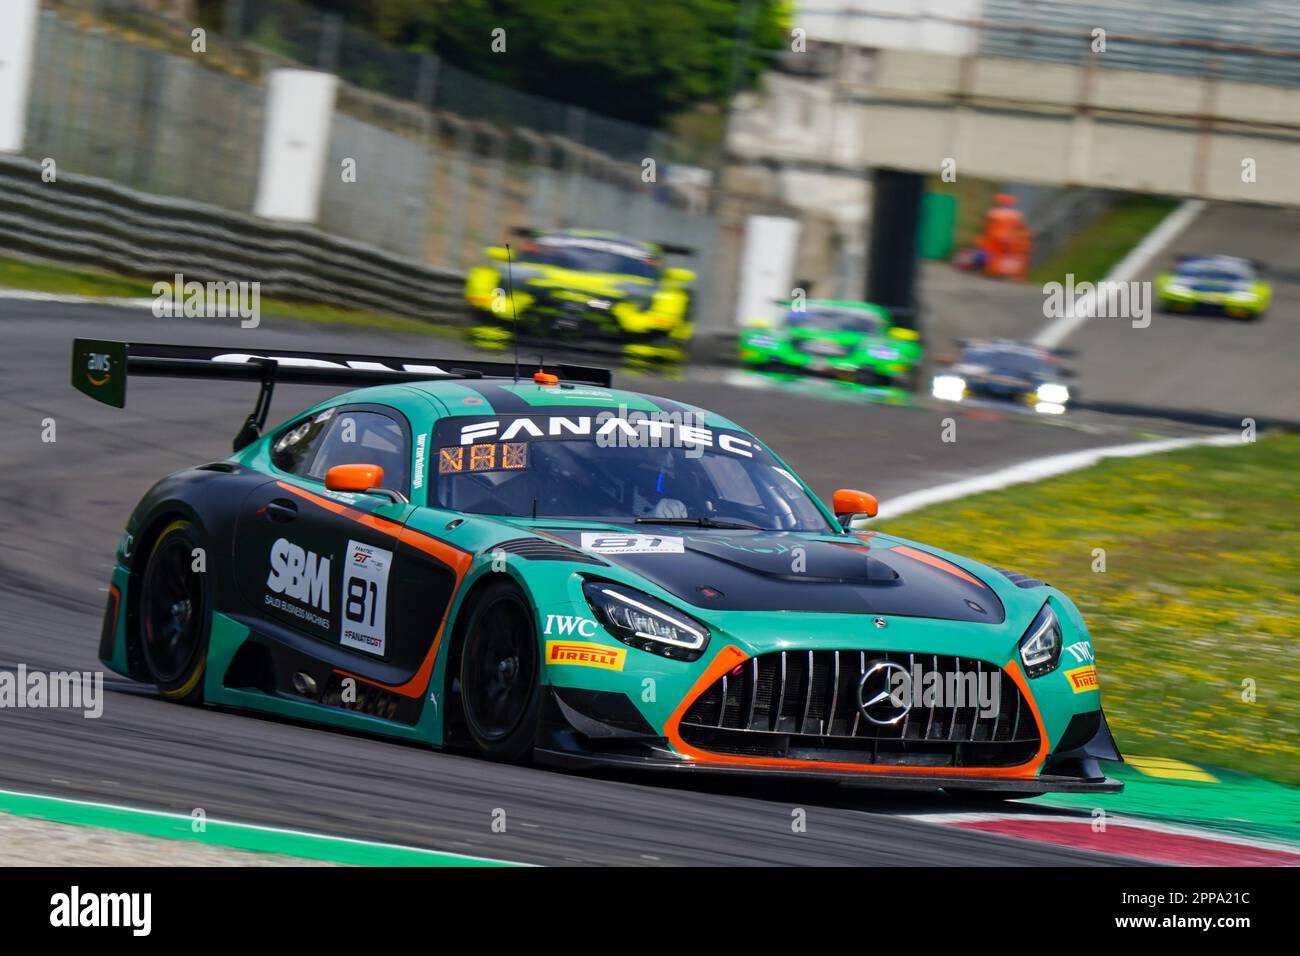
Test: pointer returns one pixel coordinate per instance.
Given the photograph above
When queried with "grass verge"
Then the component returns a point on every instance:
(1198, 596)
(1094, 250)
(62, 280)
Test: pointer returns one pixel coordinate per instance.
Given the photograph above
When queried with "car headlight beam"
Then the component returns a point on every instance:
(1053, 392)
(948, 387)
(1040, 648)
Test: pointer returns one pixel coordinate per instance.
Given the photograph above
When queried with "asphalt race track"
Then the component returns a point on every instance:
(1208, 363)
(63, 507)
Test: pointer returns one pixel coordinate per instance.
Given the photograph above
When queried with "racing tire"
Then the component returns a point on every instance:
(500, 675)
(175, 614)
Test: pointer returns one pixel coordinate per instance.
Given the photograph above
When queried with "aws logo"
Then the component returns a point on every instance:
(99, 368)
(299, 574)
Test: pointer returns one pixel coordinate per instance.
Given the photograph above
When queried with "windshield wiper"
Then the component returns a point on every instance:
(702, 522)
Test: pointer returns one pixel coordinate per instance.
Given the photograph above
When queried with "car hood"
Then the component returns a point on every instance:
(604, 285)
(728, 570)
(991, 375)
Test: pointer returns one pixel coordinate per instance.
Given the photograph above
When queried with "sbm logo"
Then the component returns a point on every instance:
(300, 574)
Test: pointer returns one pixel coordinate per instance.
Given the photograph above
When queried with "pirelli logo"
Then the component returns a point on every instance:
(581, 654)
(1082, 679)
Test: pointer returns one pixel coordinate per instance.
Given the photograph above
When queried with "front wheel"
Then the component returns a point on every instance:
(175, 614)
(500, 674)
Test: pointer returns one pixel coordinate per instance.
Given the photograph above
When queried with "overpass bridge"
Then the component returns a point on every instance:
(1186, 98)
(1210, 131)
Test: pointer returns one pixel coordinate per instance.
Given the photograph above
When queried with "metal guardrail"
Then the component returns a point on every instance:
(82, 221)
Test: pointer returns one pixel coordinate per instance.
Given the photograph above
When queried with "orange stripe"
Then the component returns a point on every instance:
(457, 559)
(731, 655)
(937, 562)
(116, 596)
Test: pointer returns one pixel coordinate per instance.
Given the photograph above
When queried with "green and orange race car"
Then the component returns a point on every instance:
(584, 288)
(549, 567)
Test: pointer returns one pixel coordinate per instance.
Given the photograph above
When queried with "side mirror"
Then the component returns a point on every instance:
(360, 478)
(496, 252)
(681, 276)
(849, 504)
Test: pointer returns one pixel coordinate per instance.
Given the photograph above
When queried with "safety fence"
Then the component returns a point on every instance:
(85, 221)
(445, 163)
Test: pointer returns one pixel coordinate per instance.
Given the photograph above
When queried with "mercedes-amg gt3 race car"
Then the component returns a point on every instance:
(854, 341)
(586, 288)
(1002, 370)
(1219, 285)
(555, 568)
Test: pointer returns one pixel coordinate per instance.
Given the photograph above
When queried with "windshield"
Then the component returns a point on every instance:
(1006, 360)
(1215, 271)
(591, 255)
(579, 463)
(834, 320)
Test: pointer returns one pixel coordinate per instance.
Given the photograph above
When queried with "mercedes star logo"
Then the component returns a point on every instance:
(875, 698)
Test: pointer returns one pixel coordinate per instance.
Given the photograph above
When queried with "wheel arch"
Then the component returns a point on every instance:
(164, 515)
(454, 733)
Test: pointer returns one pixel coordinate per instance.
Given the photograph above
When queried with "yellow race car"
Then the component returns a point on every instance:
(586, 288)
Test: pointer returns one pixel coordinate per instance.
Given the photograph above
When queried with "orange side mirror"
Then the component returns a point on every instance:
(354, 477)
(850, 502)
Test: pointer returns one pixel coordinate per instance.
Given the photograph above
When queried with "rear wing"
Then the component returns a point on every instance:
(100, 369)
(667, 248)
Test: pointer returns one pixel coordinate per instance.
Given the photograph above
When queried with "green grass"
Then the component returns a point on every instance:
(1093, 250)
(62, 280)
(1200, 590)
(42, 277)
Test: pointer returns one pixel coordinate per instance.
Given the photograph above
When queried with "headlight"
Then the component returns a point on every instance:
(645, 622)
(948, 387)
(1040, 648)
(881, 352)
(1050, 392)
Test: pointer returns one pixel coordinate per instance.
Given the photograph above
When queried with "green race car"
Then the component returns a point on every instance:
(853, 341)
(1222, 285)
(556, 569)
(585, 288)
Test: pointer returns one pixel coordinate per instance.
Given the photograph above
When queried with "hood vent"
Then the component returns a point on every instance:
(540, 549)
(1021, 580)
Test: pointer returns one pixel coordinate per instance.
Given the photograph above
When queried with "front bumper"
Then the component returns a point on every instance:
(593, 730)
(1213, 305)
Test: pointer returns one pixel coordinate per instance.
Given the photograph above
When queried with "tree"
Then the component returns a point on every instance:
(633, 60)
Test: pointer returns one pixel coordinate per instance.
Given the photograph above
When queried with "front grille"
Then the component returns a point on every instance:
(820, 348)
(803, 705)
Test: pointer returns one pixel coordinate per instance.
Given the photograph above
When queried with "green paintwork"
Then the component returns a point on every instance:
(554, 587)
(229, 834)
(888, 356)
(1227, 801)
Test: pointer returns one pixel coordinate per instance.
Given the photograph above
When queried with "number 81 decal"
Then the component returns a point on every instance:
(365, 594)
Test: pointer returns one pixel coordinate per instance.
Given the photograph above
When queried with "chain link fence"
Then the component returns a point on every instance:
(107, 107)
(445, 162)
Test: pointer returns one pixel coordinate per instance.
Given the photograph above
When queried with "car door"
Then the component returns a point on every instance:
(331, 565)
